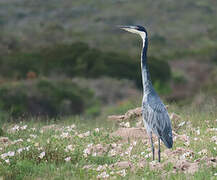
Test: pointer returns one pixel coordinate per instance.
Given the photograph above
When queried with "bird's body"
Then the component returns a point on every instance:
(155, 115)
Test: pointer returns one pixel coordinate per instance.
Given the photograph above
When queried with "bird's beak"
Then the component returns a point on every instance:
(132, 29)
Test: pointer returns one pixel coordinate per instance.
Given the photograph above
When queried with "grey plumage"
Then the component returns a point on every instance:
(155, 115)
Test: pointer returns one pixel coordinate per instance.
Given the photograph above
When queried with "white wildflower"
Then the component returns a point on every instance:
(36, 144)
(28, 140)
(20, 150)
(80, 135)
(101, 167)
(94, 154)
(215, 174)
(42, 154)
(198, 131)
(148, 155)
(213, 129)
(122, 173)
(23, 127)
(17, 141)
(40, 148)
(134, 156)
(103, 175)
(90, 145)
(73, 126)
(203, 152)
(1, 149)
(187, 143)
(33, 136)
(11, 153)
(87, 133)
(3, 156)
(181, 124)
(84, 134)
(186, 155)
(15, 128)
(142, 153)
(214, 138)
(153, 163)
(112, 152)
(64, 135)
(134, 143)
(27, 148)
(195, 138)
(128, 151)
(7, 161)
(96, 130)
(67, 159)
(112, 172)
(126, 125)
(69, 148)
(215, 148)
(114, 145)
(86, 152)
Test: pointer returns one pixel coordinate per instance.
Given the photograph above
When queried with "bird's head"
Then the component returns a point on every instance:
(136, 30)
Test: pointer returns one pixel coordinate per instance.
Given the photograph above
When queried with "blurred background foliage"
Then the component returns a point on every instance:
(65, 58)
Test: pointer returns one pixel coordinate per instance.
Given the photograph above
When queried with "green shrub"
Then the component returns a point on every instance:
(1, 132)
(77, 60)
(159, 70)
(45, 97)
(179, 78)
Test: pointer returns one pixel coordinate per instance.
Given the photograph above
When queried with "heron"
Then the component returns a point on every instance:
(155, 116)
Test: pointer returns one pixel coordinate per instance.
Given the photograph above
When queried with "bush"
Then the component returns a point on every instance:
(1, 132)
(45, 97)
(79, 60)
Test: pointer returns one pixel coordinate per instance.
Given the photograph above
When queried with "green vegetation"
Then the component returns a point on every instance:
(46, 97)
(78, 59)
(32, 95)
(75, 148)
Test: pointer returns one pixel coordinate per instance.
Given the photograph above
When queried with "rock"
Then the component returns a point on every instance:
(123, 164)
(131, 133)
(131, 114)
(4, 140)
(116, 117)
(193, 168)
(186, 166)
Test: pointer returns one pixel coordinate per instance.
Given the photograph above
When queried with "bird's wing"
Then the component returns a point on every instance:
(159, 119)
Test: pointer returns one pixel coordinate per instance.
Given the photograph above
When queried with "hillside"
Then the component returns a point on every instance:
(175, 25)
(42, 39)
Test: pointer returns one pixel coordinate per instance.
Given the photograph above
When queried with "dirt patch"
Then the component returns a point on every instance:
(186, 166)
(131, 133)
(129, 115)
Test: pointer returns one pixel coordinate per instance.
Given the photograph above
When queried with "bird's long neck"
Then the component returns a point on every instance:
(146, 81)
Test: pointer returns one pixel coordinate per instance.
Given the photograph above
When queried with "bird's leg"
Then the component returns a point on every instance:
(152, 145)
(158, 149)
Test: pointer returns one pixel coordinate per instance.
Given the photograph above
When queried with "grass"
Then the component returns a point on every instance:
(80, 148)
